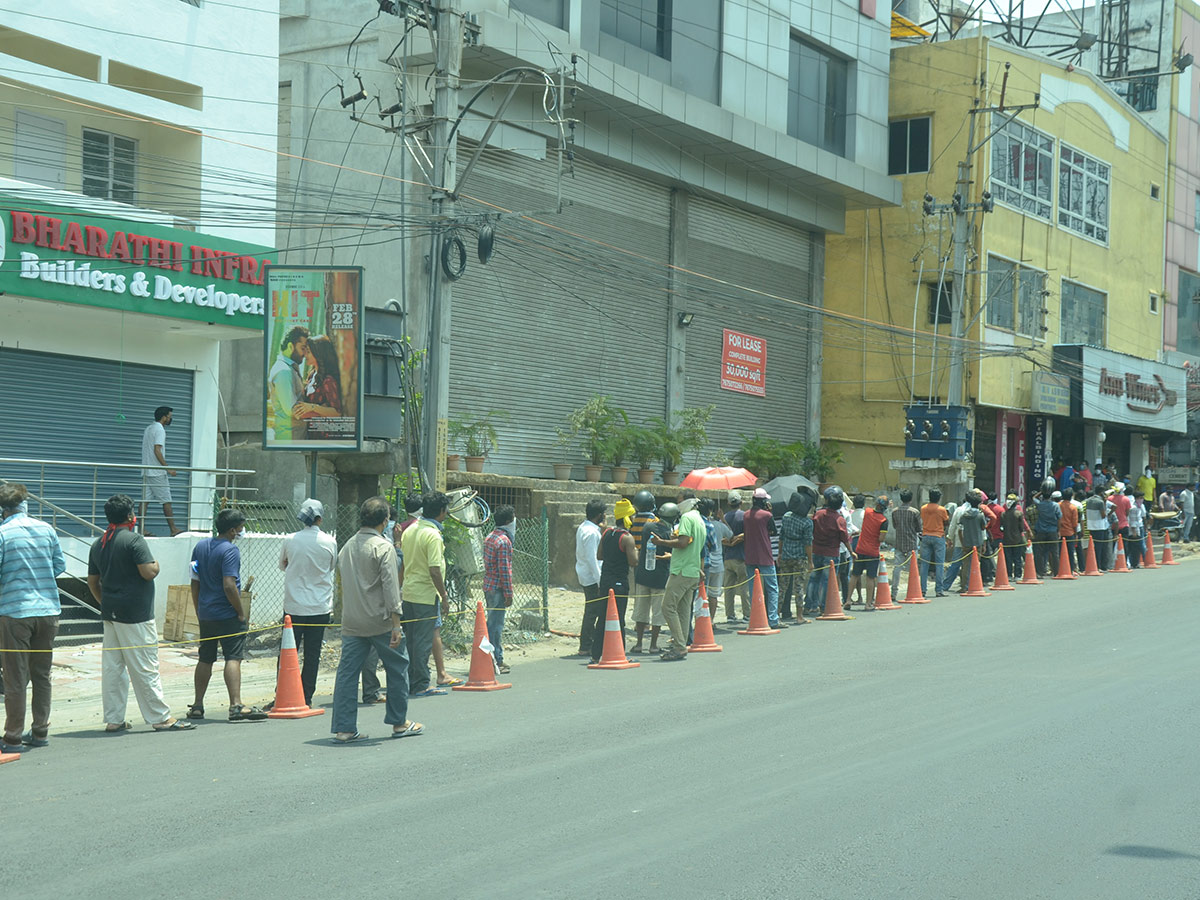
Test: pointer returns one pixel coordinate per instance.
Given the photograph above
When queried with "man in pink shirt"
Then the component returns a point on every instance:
(758, 526)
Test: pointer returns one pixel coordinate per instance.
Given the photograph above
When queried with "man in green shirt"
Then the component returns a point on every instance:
(687, 545)
(422, 578)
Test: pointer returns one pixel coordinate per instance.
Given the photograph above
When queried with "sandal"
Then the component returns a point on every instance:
(246, 714)
(174, 725)
(408, 729)
(350, 739)
(430, 692)
(117, 729)
(453, 682)
(195, 711)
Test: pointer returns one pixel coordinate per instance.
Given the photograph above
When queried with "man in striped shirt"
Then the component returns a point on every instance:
(30, 561)
(497, 579)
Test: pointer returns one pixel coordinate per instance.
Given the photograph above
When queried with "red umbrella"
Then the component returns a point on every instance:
(718, 478)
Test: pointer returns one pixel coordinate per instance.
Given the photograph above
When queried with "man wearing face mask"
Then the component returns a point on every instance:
(217, 599)
(497, 579)
(1147, 484)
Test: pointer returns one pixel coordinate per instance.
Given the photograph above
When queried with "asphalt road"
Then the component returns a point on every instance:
(1040, 743)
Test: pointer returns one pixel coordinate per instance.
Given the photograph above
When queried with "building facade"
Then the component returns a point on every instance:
(133, 162)
(1064, 279)
(667, 177)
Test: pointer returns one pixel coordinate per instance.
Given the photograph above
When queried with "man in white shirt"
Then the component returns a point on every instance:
(1187, 503)
(1096, 511)
(307, 559)
(156, 488)
(587, 570)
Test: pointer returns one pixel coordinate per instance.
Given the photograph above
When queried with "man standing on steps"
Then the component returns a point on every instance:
(156, 488)
(686, 548)
(371, 617)
(587, 570)
(30, 562)
(217, 599)
(121, 573)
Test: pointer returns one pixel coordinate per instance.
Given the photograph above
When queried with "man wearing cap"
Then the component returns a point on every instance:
(735, 583)
(679, 595)
(308, 559)
(759, 525)
(649, 576)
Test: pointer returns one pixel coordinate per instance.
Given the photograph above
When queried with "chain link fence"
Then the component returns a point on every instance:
(270, 524)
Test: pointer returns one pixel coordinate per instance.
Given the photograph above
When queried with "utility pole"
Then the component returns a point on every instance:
(447, 34)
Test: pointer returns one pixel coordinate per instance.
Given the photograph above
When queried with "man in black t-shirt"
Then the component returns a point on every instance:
(121, 572)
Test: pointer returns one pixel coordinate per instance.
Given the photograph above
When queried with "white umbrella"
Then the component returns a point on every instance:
(780, 489)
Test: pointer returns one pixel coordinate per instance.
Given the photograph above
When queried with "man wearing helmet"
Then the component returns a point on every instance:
(687, 546)
(652, 570)
(829, 536)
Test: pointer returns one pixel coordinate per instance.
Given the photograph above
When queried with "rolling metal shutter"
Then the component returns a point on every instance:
(90, 410)
(751, 252)
(554, 318)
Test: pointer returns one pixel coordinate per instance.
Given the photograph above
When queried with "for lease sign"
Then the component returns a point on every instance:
(744, 364)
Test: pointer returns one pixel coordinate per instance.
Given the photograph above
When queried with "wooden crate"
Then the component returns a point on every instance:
(180, 623)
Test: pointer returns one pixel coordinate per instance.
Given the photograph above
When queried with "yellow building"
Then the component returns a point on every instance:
(1063, 285)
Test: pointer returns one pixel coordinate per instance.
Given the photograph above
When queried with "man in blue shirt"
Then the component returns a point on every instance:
(30, 561)
(1045, 529)
(217, 598)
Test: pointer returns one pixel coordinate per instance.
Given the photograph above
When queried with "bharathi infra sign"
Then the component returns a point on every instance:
(62, 254)
(313, 338)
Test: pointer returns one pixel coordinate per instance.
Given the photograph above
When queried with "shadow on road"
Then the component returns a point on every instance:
(1142, 852)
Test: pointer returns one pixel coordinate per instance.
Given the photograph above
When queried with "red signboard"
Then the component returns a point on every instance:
(744, 364)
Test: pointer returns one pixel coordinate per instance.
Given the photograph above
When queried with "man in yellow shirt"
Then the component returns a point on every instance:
(422, 580)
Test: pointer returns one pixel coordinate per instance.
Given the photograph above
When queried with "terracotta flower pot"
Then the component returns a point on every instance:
(645, 476)
(452, 461)
(474, 463)
(671, 478)
(593, 472)
(562, 471)
(620, 474)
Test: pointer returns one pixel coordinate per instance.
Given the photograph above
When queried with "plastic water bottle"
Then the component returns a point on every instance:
(650, 554)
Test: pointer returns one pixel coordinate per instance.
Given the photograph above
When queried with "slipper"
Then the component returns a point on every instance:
(117, 729)
(410, 728)
(30, 741)
(357, 736)
(430, 692)
(451, 683)
(245, 713)
(177, 725)
(195, 711)
(12, 748)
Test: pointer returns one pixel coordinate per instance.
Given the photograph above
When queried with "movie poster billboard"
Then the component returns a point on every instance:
(313, 337)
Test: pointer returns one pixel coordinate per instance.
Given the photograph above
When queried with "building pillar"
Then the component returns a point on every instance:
(1092, 447)
(677, 304)
(1139, 455)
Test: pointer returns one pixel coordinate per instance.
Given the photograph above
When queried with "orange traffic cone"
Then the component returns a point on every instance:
(833, 599)
(9, 757)
(482, 676)
(1064, 564)
(1148, 558)
(758, 611)
(1029, 576)
(289, 690)
(613, 656)
(1001, 582)
(1168, 556)
(975, 584)
(1090, 567)
(913, 594)
(703, 640)
(883, 590)
(1120, 565)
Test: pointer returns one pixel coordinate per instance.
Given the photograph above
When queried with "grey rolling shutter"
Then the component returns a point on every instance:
(740, 249)
(554, 318)
(90, 410)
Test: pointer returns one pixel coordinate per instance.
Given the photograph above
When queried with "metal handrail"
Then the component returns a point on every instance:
(101, 465)
(59, 511)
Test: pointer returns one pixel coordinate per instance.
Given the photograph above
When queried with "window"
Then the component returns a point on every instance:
(940, 302)
(1196, 224)
(643, 23)
(1155, 191)
(1014, 298)
(1022, 167)
(549, 11)
(1082, 315)
(108, 166)
(1083, 194)
(818, 96)
(40, 150)
(908, 146)
(1142, 93)
(1153, 303)
(1187, 314)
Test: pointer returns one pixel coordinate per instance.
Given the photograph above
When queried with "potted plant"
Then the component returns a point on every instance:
(692, 426)
(617, 448)
(671, 447)
(478, 437)
(643, 449)
(818, 462)
(767, 457)
(591, 425)
(566, 440)
(454, 433)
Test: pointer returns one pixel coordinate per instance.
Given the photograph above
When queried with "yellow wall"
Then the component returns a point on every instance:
(167, 163)
(874, 272)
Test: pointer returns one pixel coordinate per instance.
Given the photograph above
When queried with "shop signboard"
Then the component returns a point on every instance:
(313, 340)
(1051, 394)
(1036, 427)
(71, 256)
(1130, 391)
(744, 364)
